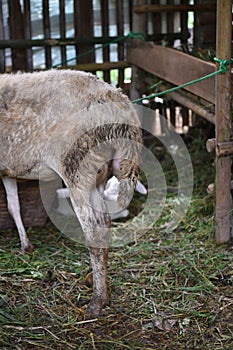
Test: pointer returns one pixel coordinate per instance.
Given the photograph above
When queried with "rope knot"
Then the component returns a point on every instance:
(223, 64)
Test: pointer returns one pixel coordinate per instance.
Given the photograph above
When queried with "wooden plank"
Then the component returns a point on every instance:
(83, 15)
(93, 67)
(173, 8)
(173, 66)
(62, 24)
(223, 123)
(26, 43)
(2, 51)
(120, 45)
(28, 31)
(170, 23)
(47, 33)
(184, 23)
(156, 19)
(105, 32)
(16, 30)
(90, 67)
(194, 106)
(138, 25)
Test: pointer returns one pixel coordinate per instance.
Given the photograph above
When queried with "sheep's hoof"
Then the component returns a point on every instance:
(28, 249)
(95, 307)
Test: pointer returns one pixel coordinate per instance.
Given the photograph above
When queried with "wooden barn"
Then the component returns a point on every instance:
(173, 57)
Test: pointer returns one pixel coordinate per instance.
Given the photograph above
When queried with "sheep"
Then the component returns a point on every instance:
(72, 124)
(110, 196)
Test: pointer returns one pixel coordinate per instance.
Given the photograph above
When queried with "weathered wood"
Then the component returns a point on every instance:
(120, 32)
(93, 67)
(184, 22)
(62, 24)
(170, 23)
(52, 42)
(173, 66)
(223, 122)
(206, 18)
(16, 26)
(47, 33)
(2, 51)
(28, 31)
(224, 149)
(24, 43)
(83, 15)
(173, 8)
(139, 25)
(156, 19)
(195, 107)
(211, 145)
(204, 33)
(105, 32)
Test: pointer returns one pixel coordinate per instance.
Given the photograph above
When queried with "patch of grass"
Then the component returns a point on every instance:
(169, 291)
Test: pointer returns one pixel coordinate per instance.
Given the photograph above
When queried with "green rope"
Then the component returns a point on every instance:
(222, 69)
(132, 35)
(223, 64)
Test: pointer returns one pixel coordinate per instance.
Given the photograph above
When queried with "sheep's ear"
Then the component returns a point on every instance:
(140, 187)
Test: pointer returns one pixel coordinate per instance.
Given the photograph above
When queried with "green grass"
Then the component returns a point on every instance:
(168, 291)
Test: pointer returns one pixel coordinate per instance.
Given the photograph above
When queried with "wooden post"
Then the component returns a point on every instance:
(47, 33)
(105, 32)
(16, 28)
(2, 37)
(62, 25)
(223, 122)
(139, 25)
(83, 17)
(28, 31)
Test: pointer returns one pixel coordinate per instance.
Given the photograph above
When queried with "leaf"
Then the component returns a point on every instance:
(163, 323)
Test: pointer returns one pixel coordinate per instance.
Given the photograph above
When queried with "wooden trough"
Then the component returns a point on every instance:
(32, 210)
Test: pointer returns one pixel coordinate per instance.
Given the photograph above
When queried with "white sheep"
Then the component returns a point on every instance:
(72, 124)
(110, 196)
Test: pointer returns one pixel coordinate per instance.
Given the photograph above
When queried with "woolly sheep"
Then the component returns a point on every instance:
(72, 124)
(110, 196)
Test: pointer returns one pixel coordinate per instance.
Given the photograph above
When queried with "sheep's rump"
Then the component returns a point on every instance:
(43, 114)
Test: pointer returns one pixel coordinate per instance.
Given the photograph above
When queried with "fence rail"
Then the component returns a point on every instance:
(65, 29)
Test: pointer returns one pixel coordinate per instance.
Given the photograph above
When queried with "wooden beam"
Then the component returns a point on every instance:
(223, 122)
(224, 149)
(84, 27)
(28, 43)
(211, 145)
(93, 67)
(190, 104)
(139, 24)
(16, 27)
(174, 8)
(173, 66)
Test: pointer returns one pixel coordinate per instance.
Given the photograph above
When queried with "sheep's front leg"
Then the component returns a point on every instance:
(95, 222)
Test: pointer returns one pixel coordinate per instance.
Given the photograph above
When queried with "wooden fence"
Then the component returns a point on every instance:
(46, 33)
(74, 34)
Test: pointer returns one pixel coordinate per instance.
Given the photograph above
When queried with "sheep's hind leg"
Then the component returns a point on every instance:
(100, 298)
(11, 188)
